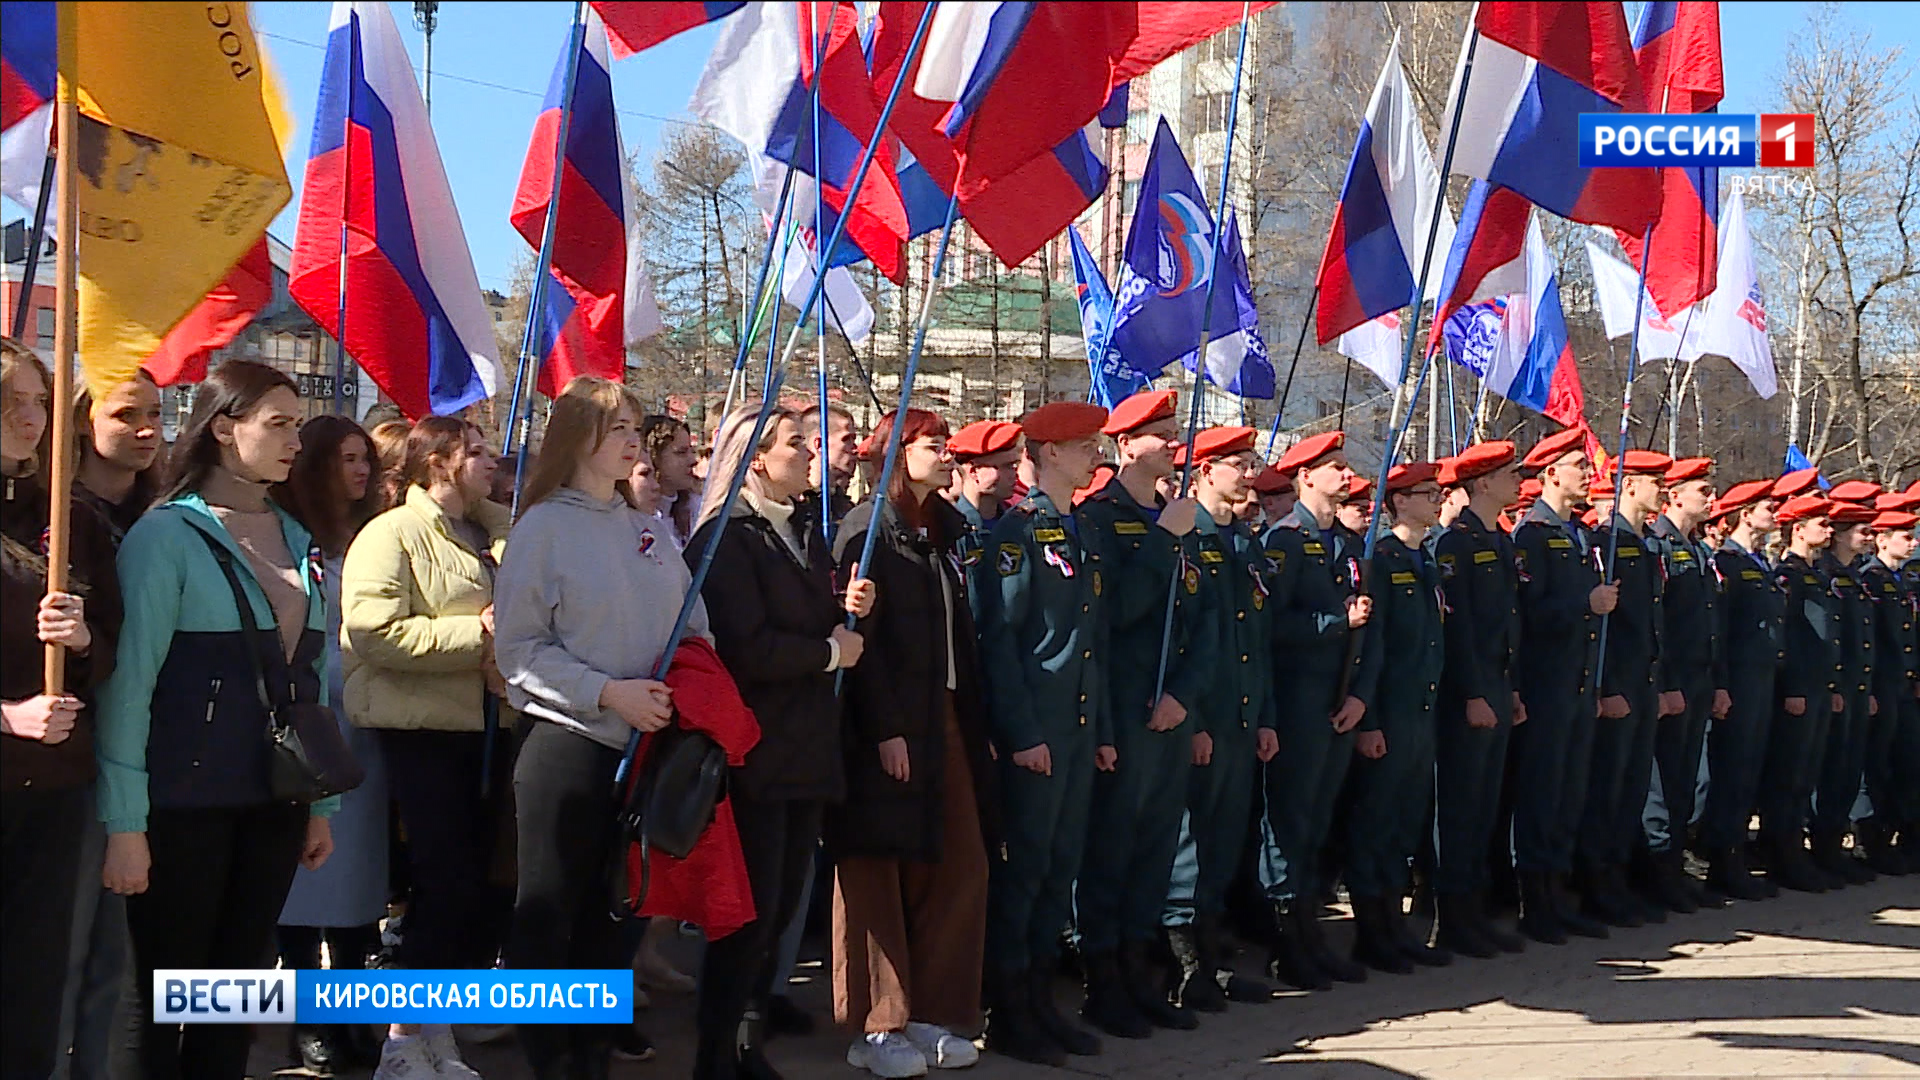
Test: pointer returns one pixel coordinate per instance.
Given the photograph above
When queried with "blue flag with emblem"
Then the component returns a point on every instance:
(1112, 379)
(1161, 303)
(1238, 362)
(1797, 459)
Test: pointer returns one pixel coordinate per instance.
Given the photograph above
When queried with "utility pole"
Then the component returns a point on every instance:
(426, 16)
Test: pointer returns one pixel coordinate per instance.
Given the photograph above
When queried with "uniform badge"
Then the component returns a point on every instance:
(1190, 574)
(1059, 562)
(1447, 567)
(1096, 583)
(1259, 588)
(1010, 559)
(1278, 557)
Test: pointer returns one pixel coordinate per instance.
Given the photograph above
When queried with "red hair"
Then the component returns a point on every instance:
(919, 424)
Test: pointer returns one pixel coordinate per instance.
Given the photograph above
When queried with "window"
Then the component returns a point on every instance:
(1140, 126)
(43, 326)
(1213, 112)
(1129, 196)
(1221, 48)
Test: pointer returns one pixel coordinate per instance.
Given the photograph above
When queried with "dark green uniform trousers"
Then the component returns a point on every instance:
(1470, 765)
(1899, 784)
(1219, 818)
(1030, 893)
(1136, 822)
(1391, 799)
(1553, 754)
(1302, 786)
(1617, 790)
(1678, 741)
(1795, 749)
(1842, 767)
(1736, 750)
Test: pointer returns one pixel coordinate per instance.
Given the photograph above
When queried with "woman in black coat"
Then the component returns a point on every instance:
(910, 878)
(779, 628)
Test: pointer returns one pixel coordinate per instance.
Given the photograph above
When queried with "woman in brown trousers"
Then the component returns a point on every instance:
(910, 878)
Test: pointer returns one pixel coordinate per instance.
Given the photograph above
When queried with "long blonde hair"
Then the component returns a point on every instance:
(734, 445)
(581, 416)
(15, 358)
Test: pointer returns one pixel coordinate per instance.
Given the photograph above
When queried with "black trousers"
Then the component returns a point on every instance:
(563, 791)
(1677, 743)
(1796, 747)
(455, 915)
(777, 839)
(40, 833)
(220, 877)
(1736, 750)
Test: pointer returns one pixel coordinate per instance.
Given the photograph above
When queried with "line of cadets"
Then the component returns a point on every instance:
(1474, 699)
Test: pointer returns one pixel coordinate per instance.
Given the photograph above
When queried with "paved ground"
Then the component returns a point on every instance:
(1801, 986)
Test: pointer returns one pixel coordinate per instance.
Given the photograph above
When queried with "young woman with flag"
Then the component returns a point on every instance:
(195, 837)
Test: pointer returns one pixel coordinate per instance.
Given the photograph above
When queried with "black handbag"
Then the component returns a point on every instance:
(307, 756)
(668, 807)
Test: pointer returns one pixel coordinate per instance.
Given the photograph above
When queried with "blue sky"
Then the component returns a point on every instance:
(492, 62)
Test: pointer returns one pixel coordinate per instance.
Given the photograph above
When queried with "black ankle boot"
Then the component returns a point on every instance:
(1459, 929)
(1210, 938)
(1290, 962)
(1493, 933)
(1790, 867)
(1411, 944)
(1199, 988)
(1373, 940)
(1729, 873)
(1605, 897)
(1832, 856)
(1012, 1029)
(1539, 918)
(1667, 881)
(1109, 1006)
(1070, 1036)
(1147, 986)
(1313, 938)
(1566, 908)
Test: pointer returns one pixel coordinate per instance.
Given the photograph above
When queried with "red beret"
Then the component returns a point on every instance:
(1646, 463)
(983, 437)
(1795, 483)
(1742, 495)
(1601, 488)
(1531, 487)
(1895, 520)
(1358, 487)
(1179, 455)
(1802, 508)
(1411, 475)
(1443, 473)
(1140, 410)
(1554, 447)
(1591, 519)
(1221, 441)
(1846, 513)
(1102, 473)
(1897, 502)
(865, 448)
(1063, 421)
(1914, 488)
(1692, 468)
(1481, 459)
(1272, 481)
(1859, 491)
(1309, 450)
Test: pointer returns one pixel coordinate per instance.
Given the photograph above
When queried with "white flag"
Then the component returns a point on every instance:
(846, 305)
(1615, 283)
(1736, 313)
(1377, 345)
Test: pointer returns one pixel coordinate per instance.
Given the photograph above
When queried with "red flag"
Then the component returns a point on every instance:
(1677, 49)
(228, 308)
(1587, 43)
(632, 27)
(1167, 28)
(849, 116)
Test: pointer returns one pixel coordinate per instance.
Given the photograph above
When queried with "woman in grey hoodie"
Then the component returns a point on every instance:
(583, 606)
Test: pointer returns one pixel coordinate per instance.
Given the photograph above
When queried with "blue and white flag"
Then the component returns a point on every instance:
(1237, 363)
(1111, 377)
(1472, 332)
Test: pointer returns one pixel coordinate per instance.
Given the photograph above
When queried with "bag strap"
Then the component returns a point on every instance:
(282, 679)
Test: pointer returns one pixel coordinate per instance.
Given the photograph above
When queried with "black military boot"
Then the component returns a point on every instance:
(1790, 867)
(1411, 944)
(1313, 939)
(1199, 988)
(1211, 939)
(1373, 941)
(1729, 873)
(1457, 927)
(1109, 1006)
(1496, 935)
(1146, 986)
(1667, 881)
(1608, 899)
(1876, 839)
(1071, 1037)
(1012, 1029)
(1832, 857)
(1289, 961)
(1539, 919)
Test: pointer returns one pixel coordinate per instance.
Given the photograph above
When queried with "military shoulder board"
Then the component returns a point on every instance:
(1130, 528)
(1049, 536)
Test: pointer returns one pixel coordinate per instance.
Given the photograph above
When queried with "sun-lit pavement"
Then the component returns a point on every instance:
(1801, 986)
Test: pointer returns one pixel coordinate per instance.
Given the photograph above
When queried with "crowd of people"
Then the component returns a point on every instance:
(1097, 690)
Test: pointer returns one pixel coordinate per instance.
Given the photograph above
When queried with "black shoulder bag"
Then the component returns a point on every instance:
(668, 806)
(307, 756)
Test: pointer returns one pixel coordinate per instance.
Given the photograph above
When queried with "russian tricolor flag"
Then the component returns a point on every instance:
(1387, 204)
(636, 26)
(1533, 363)
(1536, 68)
(29, 71)
(600, 300)
(1484, 261)
(415, 320)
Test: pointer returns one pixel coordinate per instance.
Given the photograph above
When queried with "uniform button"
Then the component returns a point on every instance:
(1239, 615)
(1087, 655)
(1243, 658)
(1083, 697)
(26, 783)
(1083, 721)
(196, 763)
(1086, 607)
(1431, 687)
(1244, 700)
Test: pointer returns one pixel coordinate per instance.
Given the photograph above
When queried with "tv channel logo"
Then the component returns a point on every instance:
(1704, 140)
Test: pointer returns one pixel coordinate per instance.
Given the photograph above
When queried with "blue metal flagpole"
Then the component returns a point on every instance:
(543, 266)
(774, 379)
(1626, 414)
(760, 287)
(1199, 392)
(820, 273)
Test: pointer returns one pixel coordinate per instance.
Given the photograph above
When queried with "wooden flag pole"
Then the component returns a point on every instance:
(65, 333)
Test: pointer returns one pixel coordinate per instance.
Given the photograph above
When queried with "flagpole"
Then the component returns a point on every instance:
(760, 288)
(820, 275)
(35, 241)
(66, 329)
(1299, 343)
(774, 377)
(346, 204)
(1199, 391)
(1453, 413)
(1620, 461)
(1345, 376)
(543, 265)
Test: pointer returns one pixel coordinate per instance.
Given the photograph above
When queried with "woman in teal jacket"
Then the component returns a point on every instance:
(195, 839)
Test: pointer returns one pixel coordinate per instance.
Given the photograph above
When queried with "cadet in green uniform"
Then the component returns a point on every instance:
(1755, 604)
(986, 456)
(1630, 703)
(1315, 607)
(1691, 665)
(1478, 705)
(1042, 636)
(1807, 696)
(1845, 760)
(1895, 675)
(1906, 750)
(1561, 602)
(1138, 806)
(1232, 726)
(1393, 780)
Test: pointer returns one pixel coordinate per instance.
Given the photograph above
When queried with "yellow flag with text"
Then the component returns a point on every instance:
(178, 168)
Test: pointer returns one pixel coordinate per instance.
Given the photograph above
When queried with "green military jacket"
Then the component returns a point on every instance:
(1408, 625)
(1813, 630)
(1853, 666)
(970, 548)
(1314, 574)
(1893, 667)
(1481, 581)
(1042, 629)
(1230, 575)
(1756, 610)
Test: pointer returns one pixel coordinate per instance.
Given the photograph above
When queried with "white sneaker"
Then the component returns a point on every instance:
(941, 1048)
(887, 1054)
(445, 1053)
(405, 1058)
